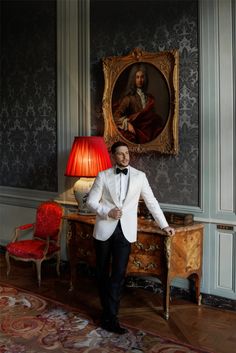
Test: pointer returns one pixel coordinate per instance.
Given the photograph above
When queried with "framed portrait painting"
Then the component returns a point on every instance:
(140, 100)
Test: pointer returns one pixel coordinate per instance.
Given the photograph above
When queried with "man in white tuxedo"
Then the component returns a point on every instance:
(114, 198)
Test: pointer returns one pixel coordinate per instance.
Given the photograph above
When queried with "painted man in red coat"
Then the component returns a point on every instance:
(135, 114)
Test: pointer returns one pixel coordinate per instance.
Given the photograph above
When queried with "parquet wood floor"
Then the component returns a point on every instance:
(201, 326)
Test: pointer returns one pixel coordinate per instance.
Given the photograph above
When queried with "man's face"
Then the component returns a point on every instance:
(121, 156)
(139, 79)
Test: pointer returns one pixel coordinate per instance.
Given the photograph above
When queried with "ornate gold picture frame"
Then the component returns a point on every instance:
(147, 121)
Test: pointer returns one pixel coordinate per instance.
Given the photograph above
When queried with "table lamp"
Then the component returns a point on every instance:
(88, 156)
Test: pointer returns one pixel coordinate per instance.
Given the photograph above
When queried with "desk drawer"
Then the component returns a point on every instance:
(82, 245)
(148, 244)
(144, 264)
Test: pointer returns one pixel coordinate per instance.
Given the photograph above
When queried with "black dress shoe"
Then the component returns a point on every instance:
(113, 326)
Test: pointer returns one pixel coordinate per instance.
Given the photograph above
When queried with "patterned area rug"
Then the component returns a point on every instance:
(32, 324)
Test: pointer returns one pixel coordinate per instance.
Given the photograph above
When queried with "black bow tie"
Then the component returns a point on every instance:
(124, 171)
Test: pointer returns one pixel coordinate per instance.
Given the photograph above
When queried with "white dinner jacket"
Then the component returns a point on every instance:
(102, 198)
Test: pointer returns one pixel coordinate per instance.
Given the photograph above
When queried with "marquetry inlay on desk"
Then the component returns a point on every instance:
(154, 253)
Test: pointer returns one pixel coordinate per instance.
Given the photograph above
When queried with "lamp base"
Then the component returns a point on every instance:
(81, 191)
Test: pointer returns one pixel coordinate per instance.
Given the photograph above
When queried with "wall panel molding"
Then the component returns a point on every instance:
(223, 267)
(84, 113)
(226, 117)
(67, 87)
(73, 84)
(208, 13)
(234, 98)
(217, 110)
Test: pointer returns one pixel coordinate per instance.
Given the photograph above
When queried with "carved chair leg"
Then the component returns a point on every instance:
(38, 267)
(58, 265)
(8, 263)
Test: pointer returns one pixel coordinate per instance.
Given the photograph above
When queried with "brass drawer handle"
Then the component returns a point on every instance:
(84, 235)
(149, 266)
(151, 247)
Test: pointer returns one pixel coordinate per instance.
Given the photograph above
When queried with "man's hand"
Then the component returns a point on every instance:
(169, 230)
(115, 213)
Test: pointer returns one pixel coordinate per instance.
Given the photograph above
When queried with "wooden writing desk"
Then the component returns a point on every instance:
(154, 253)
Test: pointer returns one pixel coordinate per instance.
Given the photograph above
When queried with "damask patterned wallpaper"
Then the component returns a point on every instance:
(119, 26)
(28, 126)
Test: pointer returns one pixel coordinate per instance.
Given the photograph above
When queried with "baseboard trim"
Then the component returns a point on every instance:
(182, 293)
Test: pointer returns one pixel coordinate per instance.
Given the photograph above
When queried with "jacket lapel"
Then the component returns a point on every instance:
(132, 184)
(112, 186)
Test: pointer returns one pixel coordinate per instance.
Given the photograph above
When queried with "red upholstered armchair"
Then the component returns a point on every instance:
(45, 242)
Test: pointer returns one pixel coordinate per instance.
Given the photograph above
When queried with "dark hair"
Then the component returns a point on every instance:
(116, 145)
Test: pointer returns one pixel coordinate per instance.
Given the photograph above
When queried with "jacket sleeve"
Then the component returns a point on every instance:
(94, 198)
(152, 204)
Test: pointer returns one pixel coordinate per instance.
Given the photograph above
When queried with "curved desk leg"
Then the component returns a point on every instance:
(198, 296)
(166, 281)
(70, 249)
(166, 300)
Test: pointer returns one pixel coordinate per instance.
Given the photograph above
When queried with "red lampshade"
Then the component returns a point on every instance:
(88, 156)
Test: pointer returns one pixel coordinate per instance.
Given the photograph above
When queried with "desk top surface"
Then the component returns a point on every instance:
(144, 225)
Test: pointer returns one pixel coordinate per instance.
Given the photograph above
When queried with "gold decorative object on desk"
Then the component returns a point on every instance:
(173, 218)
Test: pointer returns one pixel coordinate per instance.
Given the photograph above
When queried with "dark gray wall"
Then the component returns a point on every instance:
(28, 126)
(117, 27)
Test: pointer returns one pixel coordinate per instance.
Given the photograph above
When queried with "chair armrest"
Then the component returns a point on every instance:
(26, 226)
(19, 229)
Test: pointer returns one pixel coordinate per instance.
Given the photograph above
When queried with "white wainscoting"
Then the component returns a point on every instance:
(223, 269)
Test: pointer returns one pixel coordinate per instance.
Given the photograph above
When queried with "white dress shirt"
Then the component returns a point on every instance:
(122, 182)
(142, 97)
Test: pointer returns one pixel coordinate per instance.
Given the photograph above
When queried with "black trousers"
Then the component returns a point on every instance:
(112, 257)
